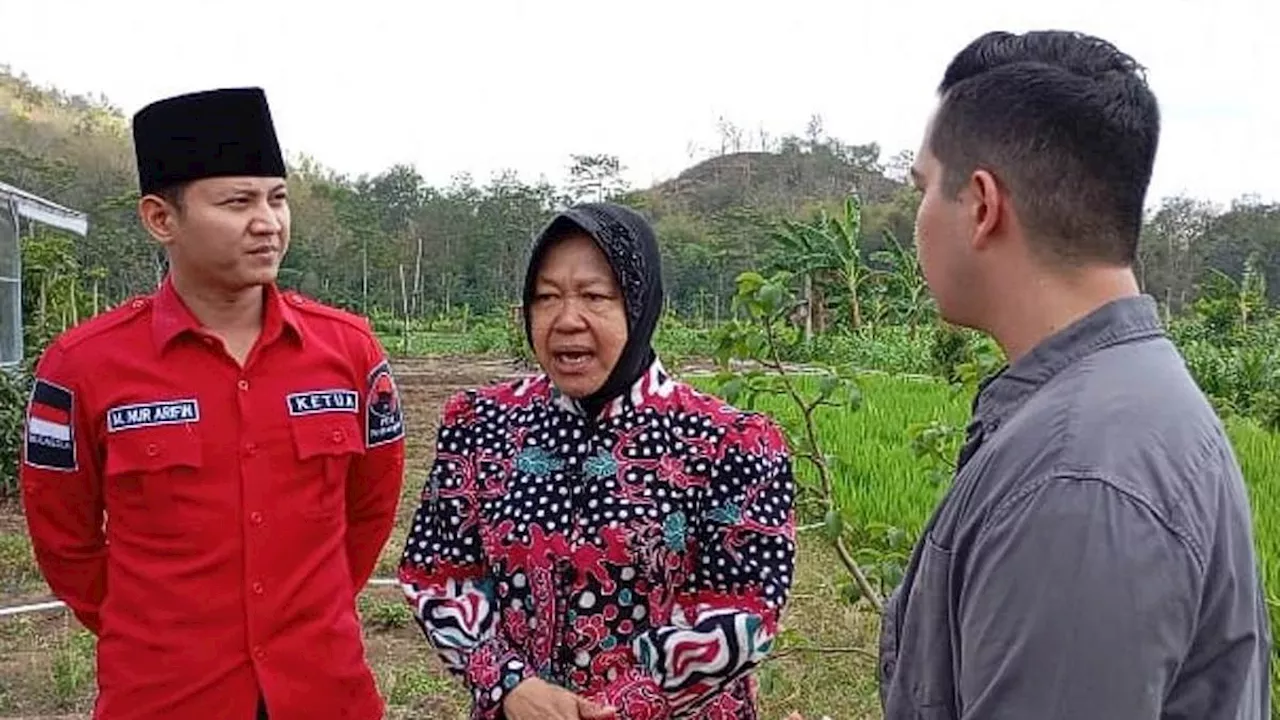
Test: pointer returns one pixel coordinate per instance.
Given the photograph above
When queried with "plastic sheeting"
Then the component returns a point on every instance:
(44, 211)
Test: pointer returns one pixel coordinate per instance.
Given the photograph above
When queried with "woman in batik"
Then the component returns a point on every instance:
(601, 540)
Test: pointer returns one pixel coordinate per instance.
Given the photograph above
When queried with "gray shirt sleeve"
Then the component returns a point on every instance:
(1076, 602)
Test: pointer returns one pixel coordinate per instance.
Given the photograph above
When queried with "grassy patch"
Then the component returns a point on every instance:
(71, 671)
(380, 612)
(413, 685)
(46, 665)
(824, 662)
(19, 573)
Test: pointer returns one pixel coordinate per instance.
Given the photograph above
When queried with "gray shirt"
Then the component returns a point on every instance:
(1094, 556)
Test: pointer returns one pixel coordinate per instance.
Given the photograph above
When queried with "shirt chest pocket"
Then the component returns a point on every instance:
(326, 446)
(925, 651)
(151, 472)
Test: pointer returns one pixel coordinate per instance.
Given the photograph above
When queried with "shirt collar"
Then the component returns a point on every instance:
(654, 385)
(1119, 321)
(171, 318)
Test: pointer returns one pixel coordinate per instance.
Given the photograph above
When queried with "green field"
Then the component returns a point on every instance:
(883, 483)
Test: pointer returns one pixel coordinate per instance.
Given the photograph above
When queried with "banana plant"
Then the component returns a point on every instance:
(905, 281)
(829, 250)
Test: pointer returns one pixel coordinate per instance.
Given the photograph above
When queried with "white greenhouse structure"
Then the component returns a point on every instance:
(19, 209)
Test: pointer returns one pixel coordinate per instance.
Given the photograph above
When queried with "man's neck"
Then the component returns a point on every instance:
(224, 313)
(1048, 303)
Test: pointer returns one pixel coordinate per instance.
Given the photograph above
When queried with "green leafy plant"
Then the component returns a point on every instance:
(15, 384)
(756, 339)
(903, 284)
(964, 359)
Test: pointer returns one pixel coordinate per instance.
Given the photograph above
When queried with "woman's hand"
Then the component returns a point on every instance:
(536, 699)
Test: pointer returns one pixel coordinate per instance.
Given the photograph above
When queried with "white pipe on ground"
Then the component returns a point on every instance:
(58, 604)
(37, 607)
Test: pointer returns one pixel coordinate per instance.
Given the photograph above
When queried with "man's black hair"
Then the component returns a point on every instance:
(1067, 125)
(173, 194)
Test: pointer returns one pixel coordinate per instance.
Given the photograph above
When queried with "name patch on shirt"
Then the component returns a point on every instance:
(50, 440)
(323, 401)
(383, 419)
(165, 412)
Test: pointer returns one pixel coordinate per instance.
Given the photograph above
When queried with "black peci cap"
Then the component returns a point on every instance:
(214, 133)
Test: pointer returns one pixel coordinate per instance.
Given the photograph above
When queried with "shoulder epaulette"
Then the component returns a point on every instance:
(104, 321)
(315, 307)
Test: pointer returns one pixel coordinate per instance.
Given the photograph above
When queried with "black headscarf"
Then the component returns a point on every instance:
(629, 245)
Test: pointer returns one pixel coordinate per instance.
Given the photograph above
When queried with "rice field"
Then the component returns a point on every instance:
(878, 480)
(882, 483)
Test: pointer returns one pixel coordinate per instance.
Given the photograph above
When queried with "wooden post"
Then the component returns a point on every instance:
(808, 309)
(404, 301)
(417, 282)
(364, 276)
(44, 301)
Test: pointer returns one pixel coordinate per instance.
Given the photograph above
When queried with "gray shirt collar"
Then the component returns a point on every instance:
(1116, 322)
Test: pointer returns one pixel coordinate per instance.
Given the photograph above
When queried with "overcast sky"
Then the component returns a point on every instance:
(483, 85)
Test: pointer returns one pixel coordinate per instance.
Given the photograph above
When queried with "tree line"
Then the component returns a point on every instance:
(391, 243)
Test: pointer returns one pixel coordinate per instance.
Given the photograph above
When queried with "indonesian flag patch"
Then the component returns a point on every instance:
(50, 441)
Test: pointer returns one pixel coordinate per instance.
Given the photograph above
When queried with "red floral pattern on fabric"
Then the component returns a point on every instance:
(640, 558)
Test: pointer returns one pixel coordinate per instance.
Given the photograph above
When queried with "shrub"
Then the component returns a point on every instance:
(13, 400)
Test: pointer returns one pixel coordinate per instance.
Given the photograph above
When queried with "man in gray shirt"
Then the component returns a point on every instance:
(1094, 557)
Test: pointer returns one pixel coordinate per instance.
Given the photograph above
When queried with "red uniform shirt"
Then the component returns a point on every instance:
(244, 507)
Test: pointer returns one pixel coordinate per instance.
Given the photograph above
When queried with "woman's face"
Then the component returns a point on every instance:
(578, 318)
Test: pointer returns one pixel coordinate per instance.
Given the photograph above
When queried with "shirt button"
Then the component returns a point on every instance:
(243, 384)
(258, 652)
(338, 436)
(251, 448)
(153, 449)
(257, 588)
(139, 303)
(255, 518)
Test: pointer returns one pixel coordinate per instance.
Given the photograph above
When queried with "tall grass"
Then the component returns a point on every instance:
(1259, 454)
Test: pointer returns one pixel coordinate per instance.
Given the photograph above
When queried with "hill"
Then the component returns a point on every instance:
(786, 180)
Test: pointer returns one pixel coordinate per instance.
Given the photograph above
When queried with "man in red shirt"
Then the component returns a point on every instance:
(245, 445)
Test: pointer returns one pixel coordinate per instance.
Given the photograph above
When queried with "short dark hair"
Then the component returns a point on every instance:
(1067, 124)
(172, 194)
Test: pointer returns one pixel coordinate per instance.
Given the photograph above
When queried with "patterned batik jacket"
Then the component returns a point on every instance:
(640, 560)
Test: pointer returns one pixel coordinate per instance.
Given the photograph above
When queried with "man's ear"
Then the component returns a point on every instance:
(987, 201)
(159, 217)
